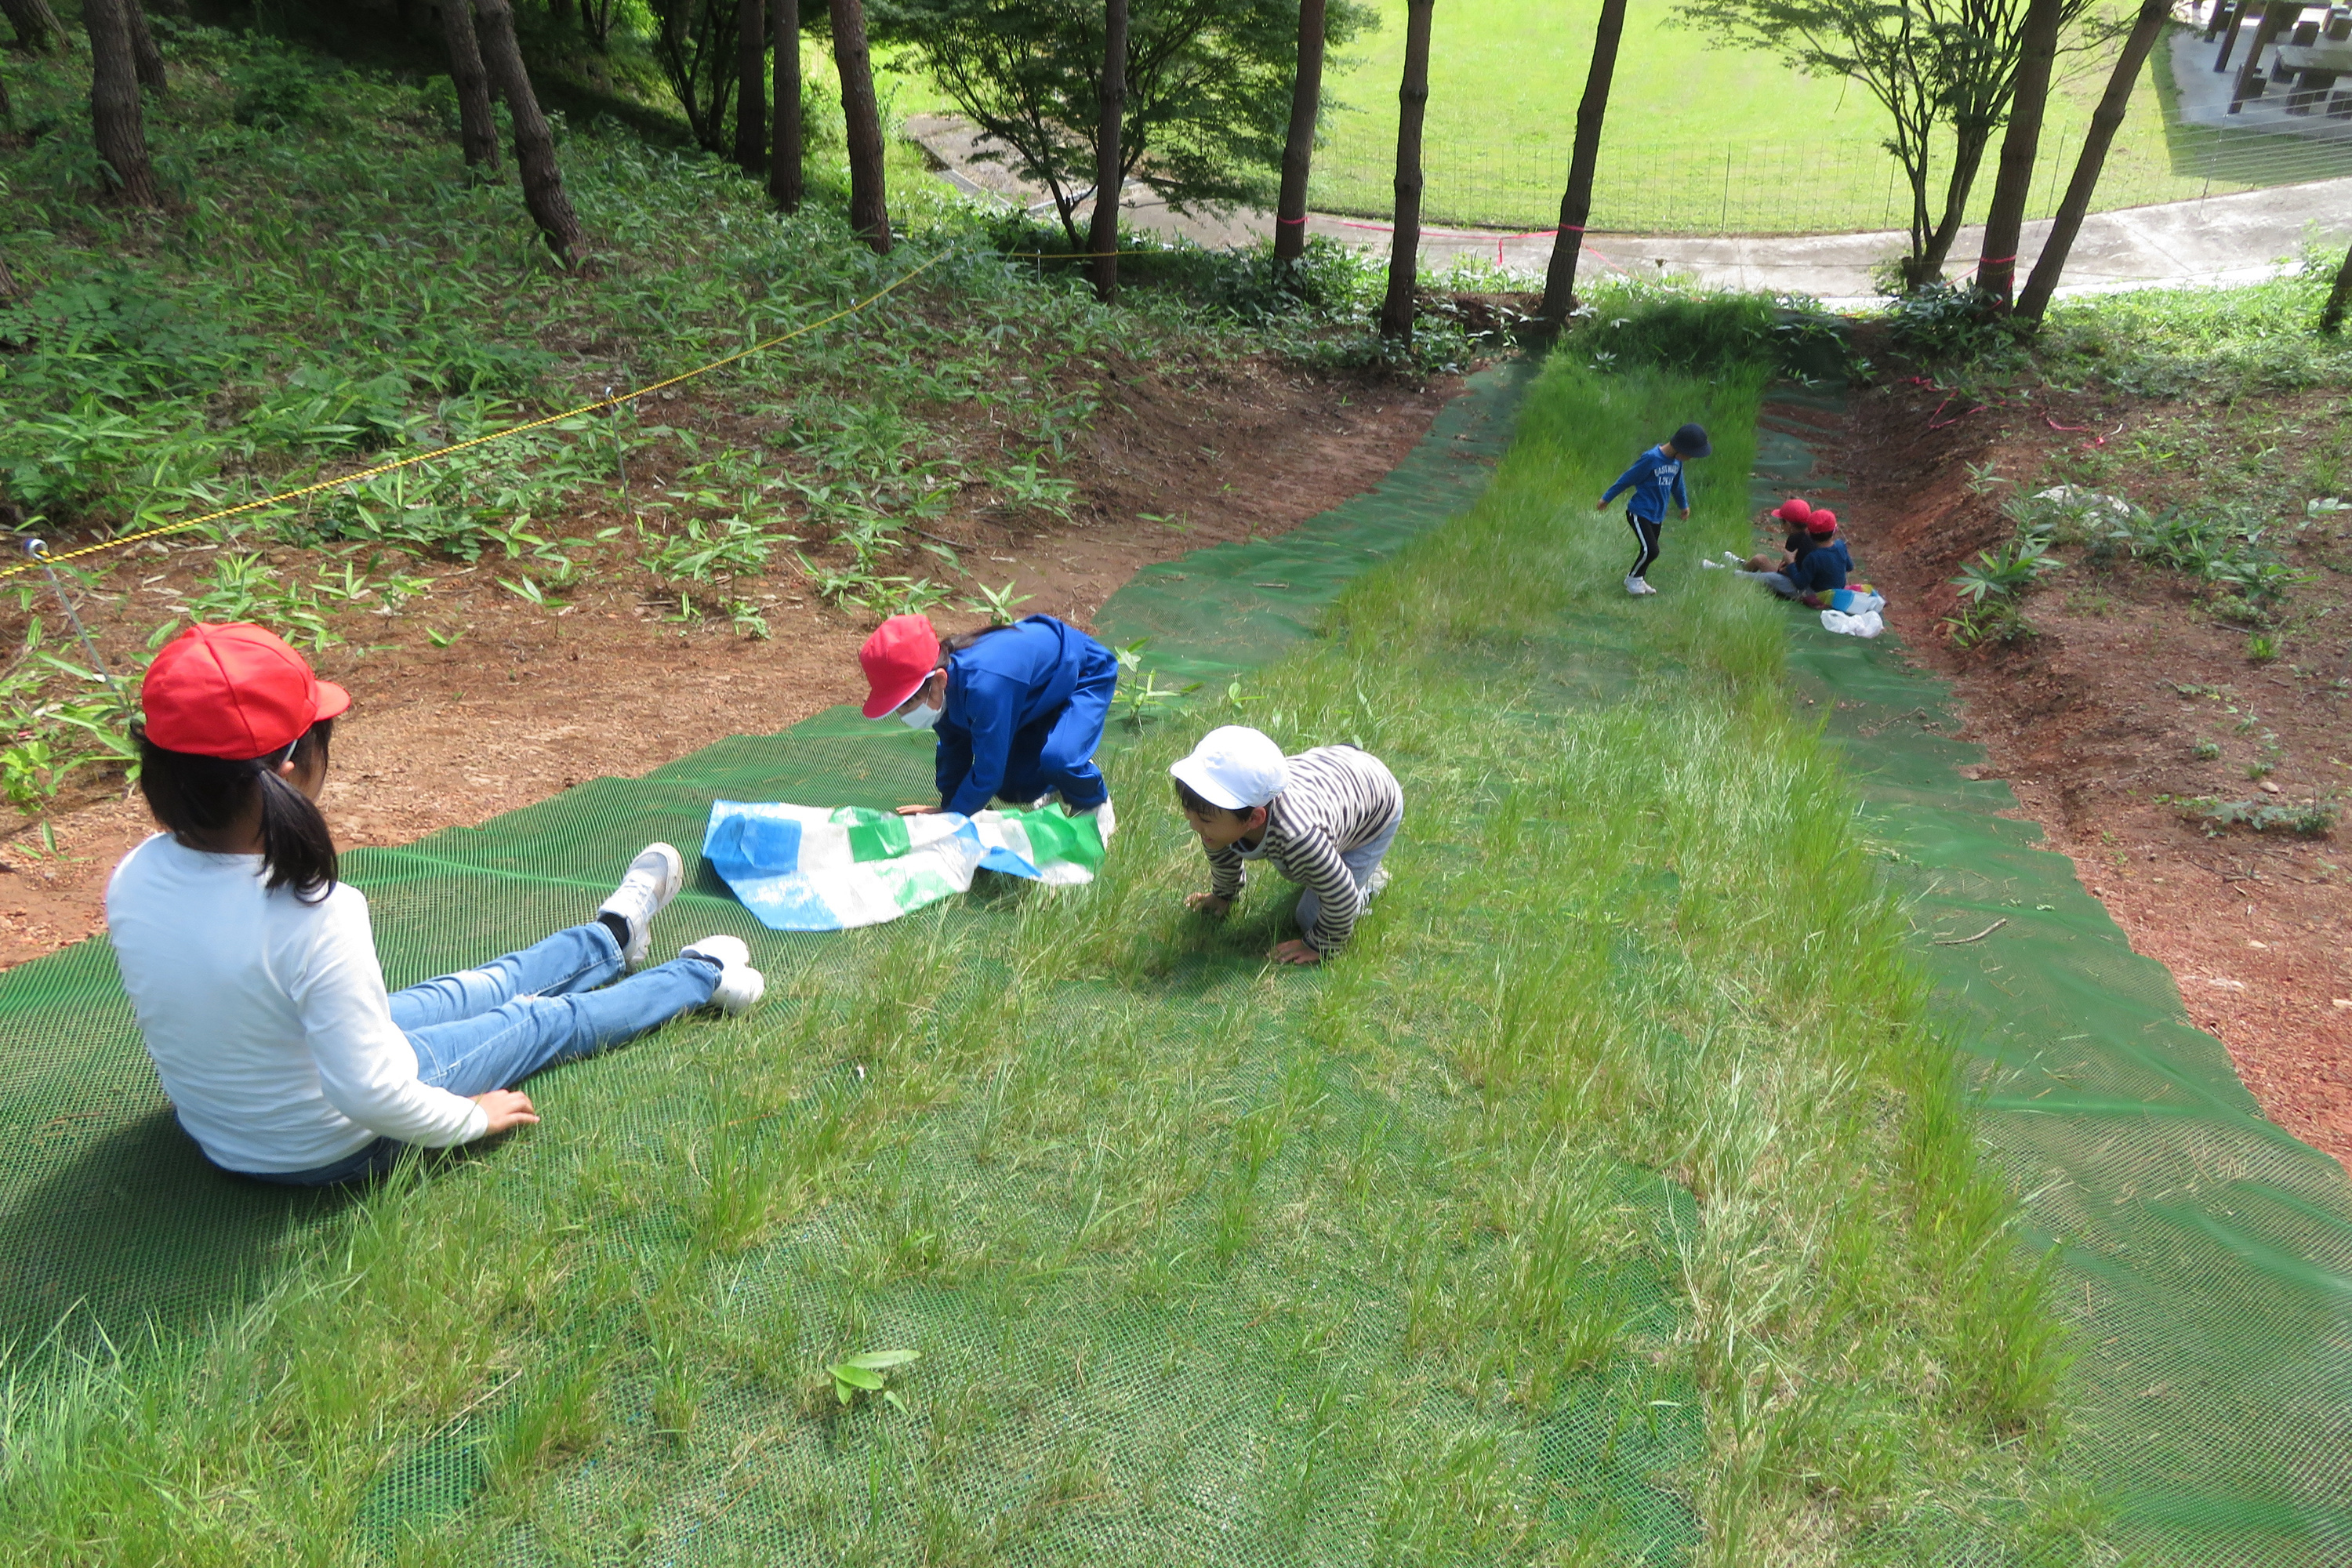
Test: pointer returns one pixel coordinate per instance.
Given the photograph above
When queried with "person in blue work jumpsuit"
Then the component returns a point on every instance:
(1018, 710)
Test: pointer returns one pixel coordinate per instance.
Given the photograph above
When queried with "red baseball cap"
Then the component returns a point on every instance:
(1821, 522)
(234, 692)
(1793, 509)
(898, 658)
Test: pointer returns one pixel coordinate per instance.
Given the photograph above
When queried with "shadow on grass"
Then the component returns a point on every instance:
(137, 1231)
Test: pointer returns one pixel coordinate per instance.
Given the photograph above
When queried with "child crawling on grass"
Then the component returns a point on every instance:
(253, 973)
(1323, 818)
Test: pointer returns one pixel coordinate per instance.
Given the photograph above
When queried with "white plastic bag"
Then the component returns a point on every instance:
(1866, 624)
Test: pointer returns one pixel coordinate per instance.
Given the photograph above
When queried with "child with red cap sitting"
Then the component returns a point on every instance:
(1018, 710)
(253, 973)
(1814, 565)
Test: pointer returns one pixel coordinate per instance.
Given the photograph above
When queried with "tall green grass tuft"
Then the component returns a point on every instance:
(1610, 1199)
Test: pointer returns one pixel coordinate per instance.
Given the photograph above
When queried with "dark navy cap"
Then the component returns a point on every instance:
(1691, 442)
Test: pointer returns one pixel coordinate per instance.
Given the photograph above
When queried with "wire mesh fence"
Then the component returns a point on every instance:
(1829, 188)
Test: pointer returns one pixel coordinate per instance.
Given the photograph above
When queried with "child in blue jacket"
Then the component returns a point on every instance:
(1018, 710)
(1656, 476)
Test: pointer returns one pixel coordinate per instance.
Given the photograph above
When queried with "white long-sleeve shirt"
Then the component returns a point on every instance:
(266, 1016)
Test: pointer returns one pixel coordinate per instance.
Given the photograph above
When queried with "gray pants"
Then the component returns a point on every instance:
(1776, 581)
(1363, 863)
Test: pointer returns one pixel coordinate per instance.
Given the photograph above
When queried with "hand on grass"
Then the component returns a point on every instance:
(506, 1107)
(1208, 903)
(920, 810)
(1295, 952)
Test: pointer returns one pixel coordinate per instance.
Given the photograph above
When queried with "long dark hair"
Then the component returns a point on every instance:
(962, 640)
(199, 798)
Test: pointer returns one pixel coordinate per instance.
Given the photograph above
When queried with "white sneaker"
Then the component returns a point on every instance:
(1713, 565)
(1637, 588)
(1375, 882)
(1735, 559)
(740, 986)
(654, 877)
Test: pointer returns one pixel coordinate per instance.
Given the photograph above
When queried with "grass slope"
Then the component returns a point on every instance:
(1609, 1200)
(1702, 138)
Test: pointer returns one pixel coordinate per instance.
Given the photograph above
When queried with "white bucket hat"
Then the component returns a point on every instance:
(1233, 766)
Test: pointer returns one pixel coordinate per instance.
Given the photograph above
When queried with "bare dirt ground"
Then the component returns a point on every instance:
(525, 700)
(2134, 670)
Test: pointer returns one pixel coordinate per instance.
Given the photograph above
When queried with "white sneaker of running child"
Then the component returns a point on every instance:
(740, 986)
(653, 880)
(1637, 588)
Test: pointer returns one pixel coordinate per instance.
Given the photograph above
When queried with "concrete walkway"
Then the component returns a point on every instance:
(2239, 238)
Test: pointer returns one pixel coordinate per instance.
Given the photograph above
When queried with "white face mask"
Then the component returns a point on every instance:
(921, 718)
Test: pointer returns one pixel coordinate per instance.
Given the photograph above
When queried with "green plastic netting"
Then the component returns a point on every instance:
(2206, 1257)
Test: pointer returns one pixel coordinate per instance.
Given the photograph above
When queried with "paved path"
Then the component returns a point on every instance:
(2238, 238)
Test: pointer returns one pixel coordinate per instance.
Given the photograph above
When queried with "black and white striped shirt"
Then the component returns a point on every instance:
(1337, 799)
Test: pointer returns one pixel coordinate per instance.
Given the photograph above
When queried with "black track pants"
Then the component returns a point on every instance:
(1645, 542)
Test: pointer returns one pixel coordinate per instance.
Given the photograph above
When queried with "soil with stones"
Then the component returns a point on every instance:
(474, 702)
(2140, 691)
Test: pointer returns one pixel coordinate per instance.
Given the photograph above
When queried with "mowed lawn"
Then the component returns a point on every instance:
(1701, 136)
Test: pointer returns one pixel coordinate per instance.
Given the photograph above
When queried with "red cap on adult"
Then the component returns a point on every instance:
(1793, 509)
(1821, 522)
(234, 692)
(898, 658)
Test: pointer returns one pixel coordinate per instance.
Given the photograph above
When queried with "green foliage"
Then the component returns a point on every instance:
(2005, 574)
(2206, 343)
(1208, 87)
(862, 1373)
(1624, 324)
(2309, 819)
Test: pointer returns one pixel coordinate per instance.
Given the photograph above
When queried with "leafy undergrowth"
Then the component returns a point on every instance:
(331, 292)
(1610, 1200)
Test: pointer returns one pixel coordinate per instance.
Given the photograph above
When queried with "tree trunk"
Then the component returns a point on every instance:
(1412, 102)
(1576, 202)
(1298, 146)
(2339, 298)
(477, 128)
(2104, 120)
(116, 121)
(750, 88)
(145, 57)
(1102, 235)
(37, 28)
(2013, 181)
(784, 179)
(870, 209)
(2276, 14)
(534, 146)
(1967, 157)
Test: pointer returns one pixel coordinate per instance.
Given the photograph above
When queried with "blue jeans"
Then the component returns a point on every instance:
(1776, 581)
(492, 1027)
(1362, 862)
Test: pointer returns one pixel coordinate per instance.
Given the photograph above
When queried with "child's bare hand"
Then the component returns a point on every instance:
(920, 810)
(1685, 514)
(1208, 903)
(1601, 506)
(1295, 952)
(506, 1108)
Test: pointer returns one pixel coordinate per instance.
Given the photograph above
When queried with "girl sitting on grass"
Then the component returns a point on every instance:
(254, 974)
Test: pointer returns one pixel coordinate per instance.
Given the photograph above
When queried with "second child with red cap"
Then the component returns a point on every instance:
(1018, 710)
(252, 969)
